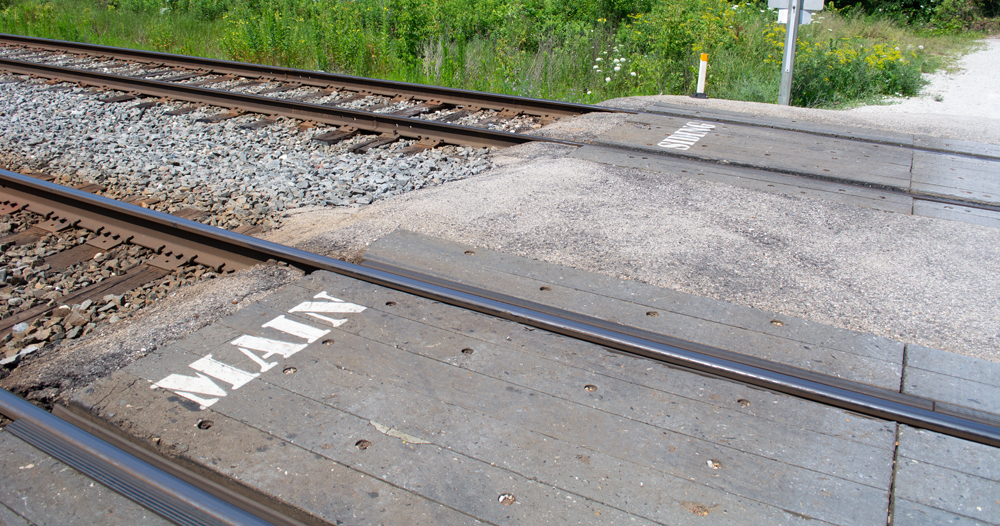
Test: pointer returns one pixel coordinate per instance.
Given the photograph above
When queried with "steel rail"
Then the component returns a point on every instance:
(889, 189)
(864, 399)
(363, 120)
(737, 119)
(156, 490)
(527, 105)
(453, 96)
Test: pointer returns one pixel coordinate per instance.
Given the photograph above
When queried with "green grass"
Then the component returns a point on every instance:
(539, 48)
(88, 21)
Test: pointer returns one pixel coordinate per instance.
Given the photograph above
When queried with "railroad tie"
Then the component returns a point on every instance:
(337, 135)
(215, 80)
(375, 142)
(309, 96)
(425, 143)
(185, 109)
(219, 117)
(279, 89)
(185, 76)
(426, 107)
(120, 98)
(351, 97)
(259, 123)
(467, 110)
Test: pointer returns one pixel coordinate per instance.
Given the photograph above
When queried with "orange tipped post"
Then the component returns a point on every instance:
(700, 94)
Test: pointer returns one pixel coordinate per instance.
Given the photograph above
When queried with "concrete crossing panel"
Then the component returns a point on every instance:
(841, 353)
(448, 411)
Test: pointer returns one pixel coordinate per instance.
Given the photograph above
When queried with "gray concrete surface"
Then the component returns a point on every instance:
(914, 279)
(38, 490)
(457, 409)
(819, 348)
(944, 480)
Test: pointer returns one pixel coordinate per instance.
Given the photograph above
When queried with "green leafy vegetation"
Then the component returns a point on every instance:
(584, 51)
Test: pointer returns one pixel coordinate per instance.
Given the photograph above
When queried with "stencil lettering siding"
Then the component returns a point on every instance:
(687, 136)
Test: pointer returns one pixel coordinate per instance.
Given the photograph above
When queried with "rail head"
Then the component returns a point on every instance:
(153, 488)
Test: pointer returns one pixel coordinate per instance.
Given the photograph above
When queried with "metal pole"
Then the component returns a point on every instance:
(788, 63)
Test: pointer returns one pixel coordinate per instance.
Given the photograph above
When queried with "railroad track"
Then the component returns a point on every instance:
(166, 251)
(370, 113)
(76, 266)
(388, 111)
(222, 251)
(183, 242)
(188, 498)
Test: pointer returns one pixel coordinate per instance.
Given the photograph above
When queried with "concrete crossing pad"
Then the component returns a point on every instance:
(356, 404)
(896, 173)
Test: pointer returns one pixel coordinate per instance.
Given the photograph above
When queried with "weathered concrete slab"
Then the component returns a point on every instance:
(457, 409)
(952, 378)
(642, 405)
(846, 354)
(957, 176)
(909, 513)
(764, 181)
(9, 518)
(975, 216)
(957, 146)
(271, 465)
(37, 489)
(772, 155)
(945, 480)
(373, 413)
(829, 130)
(580, 355)
(780, 150)
(823, 129)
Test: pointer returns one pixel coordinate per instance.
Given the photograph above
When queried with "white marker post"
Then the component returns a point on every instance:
(796, 12)
(702, 70)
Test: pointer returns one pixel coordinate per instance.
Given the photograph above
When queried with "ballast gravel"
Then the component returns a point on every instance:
(220, 167)
(29, 281)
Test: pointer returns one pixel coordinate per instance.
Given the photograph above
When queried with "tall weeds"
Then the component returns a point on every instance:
(584, 51)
